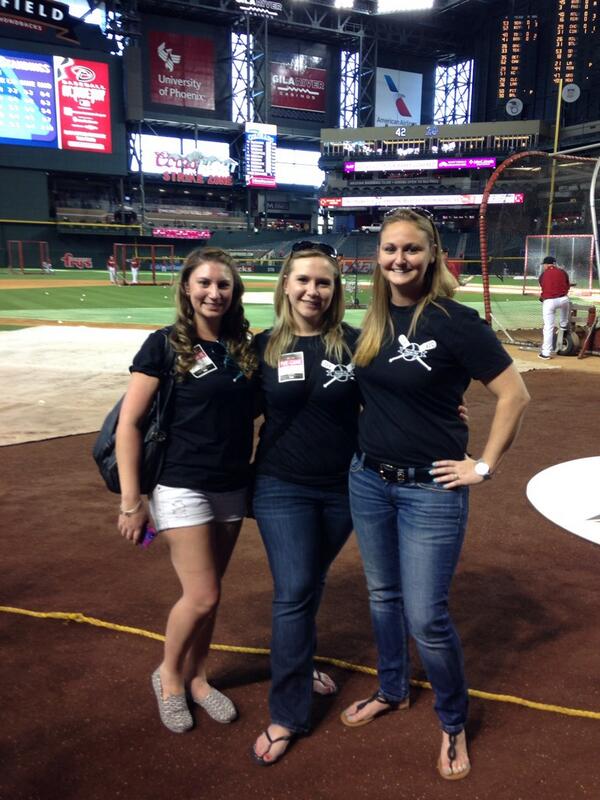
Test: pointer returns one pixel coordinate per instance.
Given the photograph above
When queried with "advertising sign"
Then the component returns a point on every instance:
(420, 164)
(375, 201)
(397, 97)
(299, 83)
(42, 16)
(261, 8)
(180, 233)
(185, 160)
(467, 163)
(83, 99)
(260, 151)
(182, 70)
(54, 101)
(77, 262)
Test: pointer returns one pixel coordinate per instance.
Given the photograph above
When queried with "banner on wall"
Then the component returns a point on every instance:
(298, 82)
(397, 97)
(182, 70)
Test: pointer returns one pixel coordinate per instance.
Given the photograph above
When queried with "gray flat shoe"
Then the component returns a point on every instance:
(217, 706)
(174, 712)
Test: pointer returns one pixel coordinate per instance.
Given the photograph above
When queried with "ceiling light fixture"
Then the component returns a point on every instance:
(398, 6)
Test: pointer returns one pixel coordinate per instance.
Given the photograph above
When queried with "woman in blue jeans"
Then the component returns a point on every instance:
(409, 480)
(301, 496)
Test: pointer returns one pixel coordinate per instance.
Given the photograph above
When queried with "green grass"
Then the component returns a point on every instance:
(154, 305)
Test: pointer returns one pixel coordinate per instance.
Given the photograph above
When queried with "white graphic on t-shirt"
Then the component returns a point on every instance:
(338, 372)
(411, 351)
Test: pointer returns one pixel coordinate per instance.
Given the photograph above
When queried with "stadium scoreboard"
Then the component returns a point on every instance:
(260, 155)
(57, 102)
(518, 44)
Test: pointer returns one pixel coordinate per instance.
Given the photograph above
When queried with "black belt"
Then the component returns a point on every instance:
(395, 474)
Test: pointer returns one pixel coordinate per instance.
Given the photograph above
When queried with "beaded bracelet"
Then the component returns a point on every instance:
(130, 511)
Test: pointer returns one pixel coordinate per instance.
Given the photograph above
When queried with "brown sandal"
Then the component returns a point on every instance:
(390, 705)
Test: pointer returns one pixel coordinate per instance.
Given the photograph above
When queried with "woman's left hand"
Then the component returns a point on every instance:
(452, 474)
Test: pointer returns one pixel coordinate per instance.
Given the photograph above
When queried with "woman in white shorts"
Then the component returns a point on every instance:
(199, 502)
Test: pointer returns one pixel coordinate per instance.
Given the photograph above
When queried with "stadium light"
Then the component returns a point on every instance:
(397, 6)
(343, 4)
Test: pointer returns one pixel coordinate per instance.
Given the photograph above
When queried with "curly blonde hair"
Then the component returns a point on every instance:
(283, 334)
(439, 282)
(235, 328)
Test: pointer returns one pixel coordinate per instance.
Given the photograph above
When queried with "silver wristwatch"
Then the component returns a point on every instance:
(483, 469)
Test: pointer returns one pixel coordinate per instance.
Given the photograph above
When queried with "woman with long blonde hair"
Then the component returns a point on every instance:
(410, 477)
(200, 500)
(301, 496)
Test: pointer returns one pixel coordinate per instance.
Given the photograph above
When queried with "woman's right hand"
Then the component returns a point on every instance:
(131, 526)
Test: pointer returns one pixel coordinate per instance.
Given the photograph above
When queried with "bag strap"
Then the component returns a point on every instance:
(167, 379)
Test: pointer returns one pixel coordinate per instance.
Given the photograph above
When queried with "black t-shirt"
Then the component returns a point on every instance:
(411, 390)
(311, 410)
(211, 420)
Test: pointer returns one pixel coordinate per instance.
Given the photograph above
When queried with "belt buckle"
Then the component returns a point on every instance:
(392, 474)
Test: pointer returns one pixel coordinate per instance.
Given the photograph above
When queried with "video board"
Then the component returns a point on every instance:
(478, 162)
(57, 102)
(181, 160)
(61, 109)
(377, 201)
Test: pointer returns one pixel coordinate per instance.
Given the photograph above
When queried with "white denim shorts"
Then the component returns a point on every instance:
(181, 508)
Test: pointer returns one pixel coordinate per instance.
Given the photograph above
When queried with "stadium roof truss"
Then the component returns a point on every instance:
(441, 34)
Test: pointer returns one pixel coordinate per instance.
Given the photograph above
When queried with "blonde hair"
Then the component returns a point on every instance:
(378, 327)
(283, 334)
(234, 332)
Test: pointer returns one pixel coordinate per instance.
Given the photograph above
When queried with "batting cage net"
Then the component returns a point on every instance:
(357, 280)
(547, 213)
(156, 263)
(27, 254)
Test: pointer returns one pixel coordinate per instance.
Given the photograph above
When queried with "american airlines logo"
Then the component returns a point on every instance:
(403, 109)
(167, 55)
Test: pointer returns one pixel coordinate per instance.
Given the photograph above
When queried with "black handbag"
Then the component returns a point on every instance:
(154, 431)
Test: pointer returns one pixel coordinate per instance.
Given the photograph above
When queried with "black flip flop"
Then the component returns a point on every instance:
(261, 759)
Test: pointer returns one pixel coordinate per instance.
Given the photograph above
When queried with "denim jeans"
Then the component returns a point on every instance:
(410, 536)
(303, 529)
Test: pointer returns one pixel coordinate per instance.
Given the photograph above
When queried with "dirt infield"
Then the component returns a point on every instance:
(64, 378)
(79, 718)
(23, 322)
(58, 283)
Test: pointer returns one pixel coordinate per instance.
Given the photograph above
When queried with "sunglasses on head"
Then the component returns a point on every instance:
(421, 212)
(322, 246)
